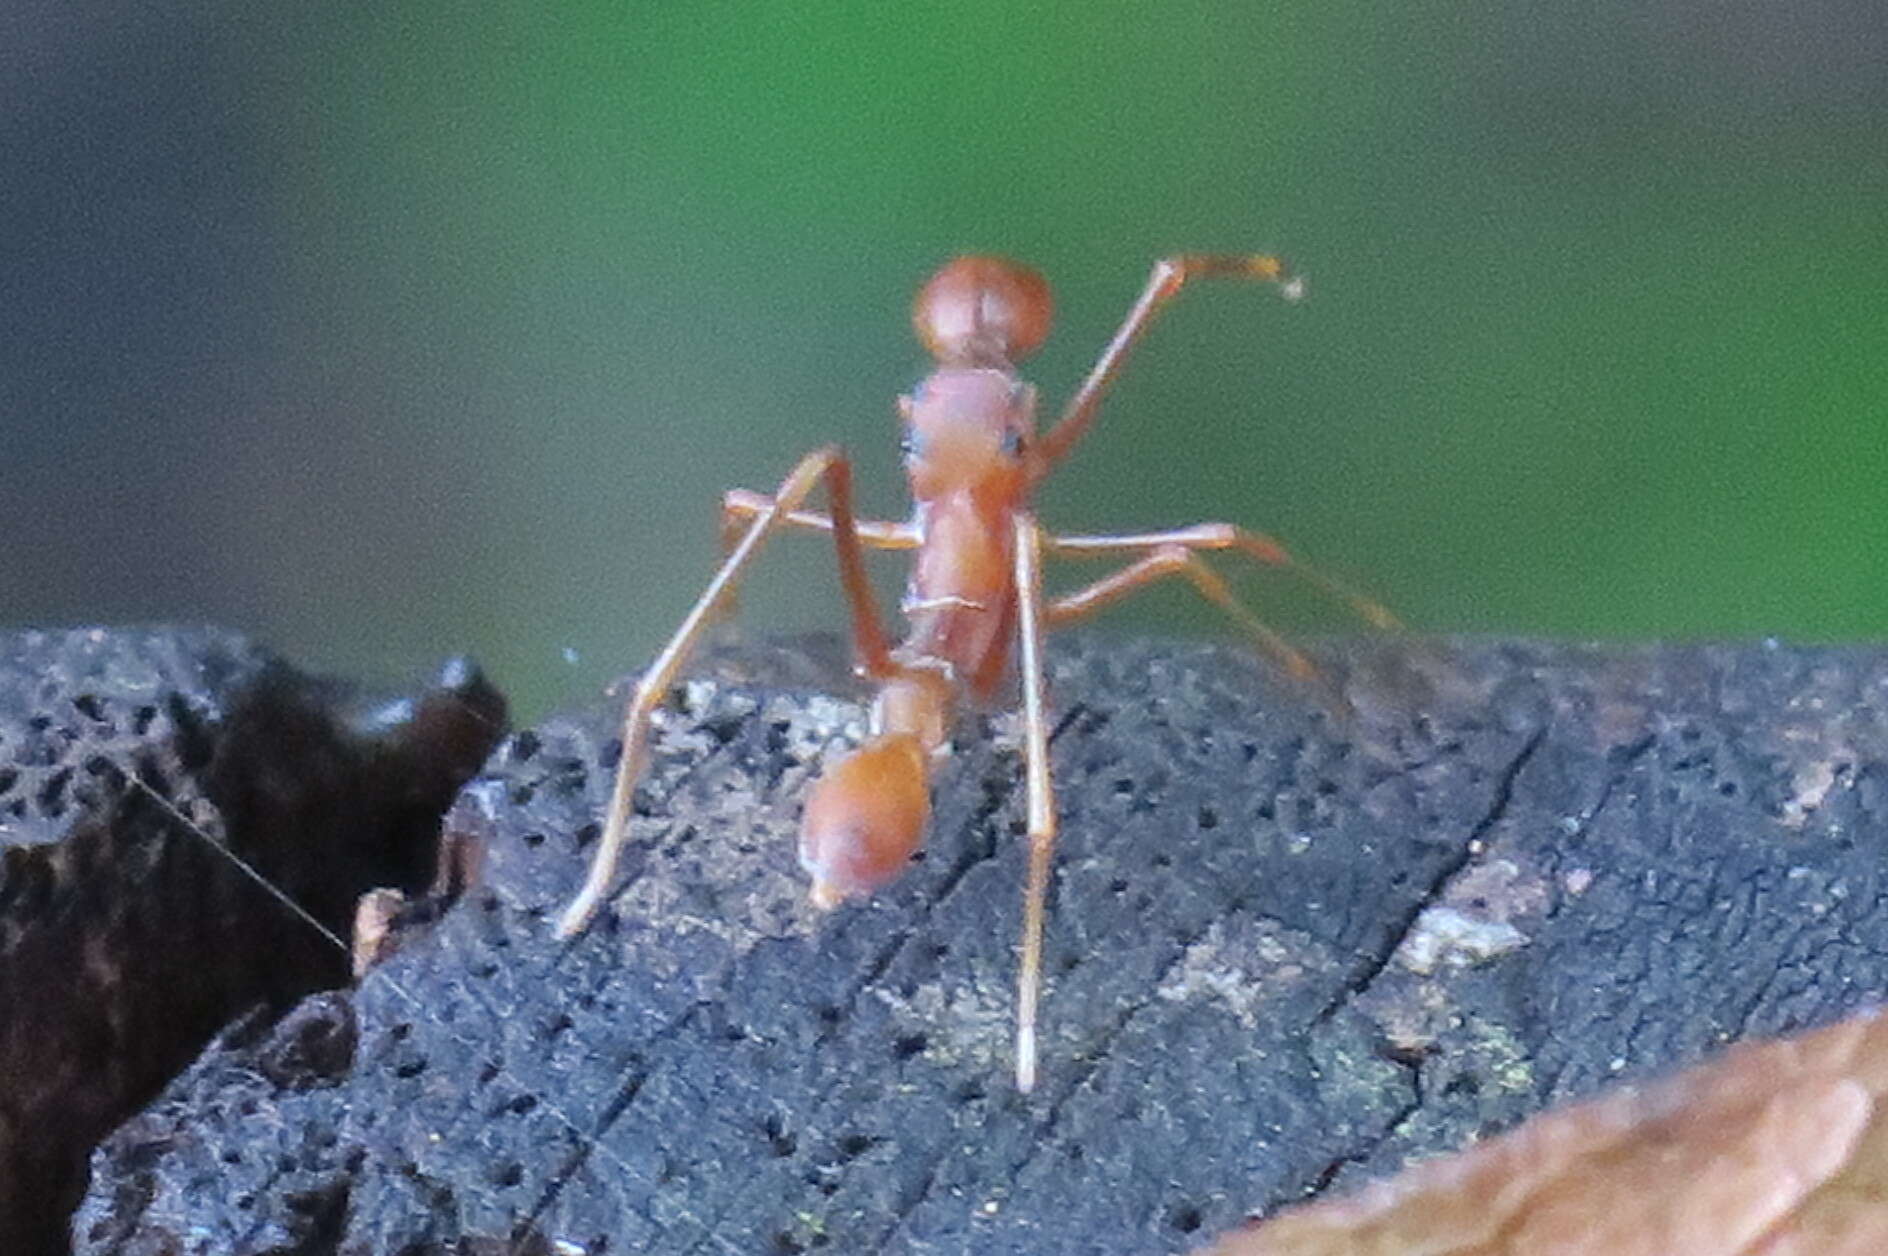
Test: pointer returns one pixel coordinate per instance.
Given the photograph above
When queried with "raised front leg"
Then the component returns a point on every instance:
(1169, 276)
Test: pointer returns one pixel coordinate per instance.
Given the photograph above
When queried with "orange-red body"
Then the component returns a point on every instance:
(972, 458)
(970, 428)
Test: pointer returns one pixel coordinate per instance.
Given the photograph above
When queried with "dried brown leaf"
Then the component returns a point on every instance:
(1773, 1149)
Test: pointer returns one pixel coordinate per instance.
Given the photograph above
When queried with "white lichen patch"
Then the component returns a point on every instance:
(719, 861)
(1499, 889)
(1448, 936)
(1819, 754)
(810, 723)
(699, 695)
(1474, 922)
(817, 730)
(1809, 789)
(821, 719)
(964, 1025)
(1239, 967)
(678, 933)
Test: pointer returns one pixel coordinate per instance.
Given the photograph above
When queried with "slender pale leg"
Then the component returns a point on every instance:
(1227, 537)
(739, 505)
(1169, 276)
(1177, 560)
(828, 464)
(1029, 630)
(1170, 556)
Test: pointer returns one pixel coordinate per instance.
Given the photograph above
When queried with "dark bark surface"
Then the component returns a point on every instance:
(126, 940)
(1284, 951)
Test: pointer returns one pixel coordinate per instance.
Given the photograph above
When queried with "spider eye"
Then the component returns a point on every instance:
(1012, 444)
(910, 446)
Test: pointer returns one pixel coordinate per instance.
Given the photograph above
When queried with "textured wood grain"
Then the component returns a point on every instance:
(1286, 958)
(150, 781)
(1773, 1149)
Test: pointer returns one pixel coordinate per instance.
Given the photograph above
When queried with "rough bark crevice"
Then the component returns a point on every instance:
(1551, 866)
(152, 782)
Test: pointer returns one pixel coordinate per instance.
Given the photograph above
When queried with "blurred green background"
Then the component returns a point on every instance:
(385, 331)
